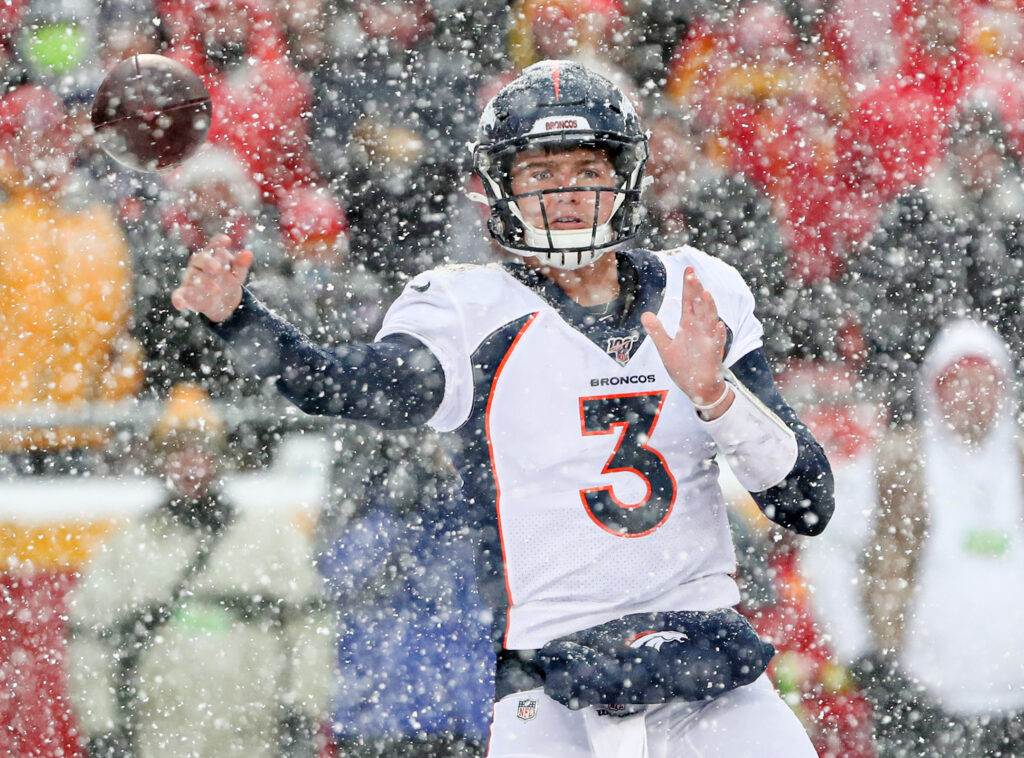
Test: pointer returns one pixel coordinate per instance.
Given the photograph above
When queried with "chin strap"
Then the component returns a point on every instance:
(565, 260)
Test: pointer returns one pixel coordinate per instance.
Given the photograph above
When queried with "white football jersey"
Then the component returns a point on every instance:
(590, 480)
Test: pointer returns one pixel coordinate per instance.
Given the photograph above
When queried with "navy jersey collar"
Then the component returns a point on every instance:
(619, 338)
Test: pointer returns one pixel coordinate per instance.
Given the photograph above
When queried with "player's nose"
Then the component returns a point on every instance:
(569, 198)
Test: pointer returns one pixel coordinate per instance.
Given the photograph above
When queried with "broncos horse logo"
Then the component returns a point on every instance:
(655, 639)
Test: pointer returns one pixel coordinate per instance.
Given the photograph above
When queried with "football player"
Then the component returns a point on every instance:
(587, 391)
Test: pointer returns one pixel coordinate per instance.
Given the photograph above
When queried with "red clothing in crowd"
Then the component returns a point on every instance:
(1000, 40)
(783, 120)
(259, 106)
(896, 130)
(838, 718)
(11, 13)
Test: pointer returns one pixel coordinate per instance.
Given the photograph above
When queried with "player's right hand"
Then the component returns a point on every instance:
(212, 281)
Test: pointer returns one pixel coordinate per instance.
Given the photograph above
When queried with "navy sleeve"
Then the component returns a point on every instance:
(804, 500)
(392, 384)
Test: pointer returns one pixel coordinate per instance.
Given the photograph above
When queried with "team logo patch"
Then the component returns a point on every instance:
(527, 709)
(656, 639)
(620, 348)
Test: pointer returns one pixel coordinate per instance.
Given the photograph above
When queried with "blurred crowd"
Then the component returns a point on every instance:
(859, 161)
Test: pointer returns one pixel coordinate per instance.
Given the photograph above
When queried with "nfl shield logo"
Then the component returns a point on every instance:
(527, 709)
(619, 348)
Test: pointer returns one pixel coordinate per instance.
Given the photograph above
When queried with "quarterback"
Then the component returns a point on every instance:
(586, 393)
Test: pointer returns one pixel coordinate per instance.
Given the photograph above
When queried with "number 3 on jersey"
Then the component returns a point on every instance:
(634, 417)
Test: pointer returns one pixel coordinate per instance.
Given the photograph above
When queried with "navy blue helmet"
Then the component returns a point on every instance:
(561, 105)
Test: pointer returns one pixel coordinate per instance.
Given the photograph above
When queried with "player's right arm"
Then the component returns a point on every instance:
(393, 383)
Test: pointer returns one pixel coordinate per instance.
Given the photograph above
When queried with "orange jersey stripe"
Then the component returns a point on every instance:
(494, 469)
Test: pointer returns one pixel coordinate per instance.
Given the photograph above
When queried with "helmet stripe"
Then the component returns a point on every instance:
(555, 74)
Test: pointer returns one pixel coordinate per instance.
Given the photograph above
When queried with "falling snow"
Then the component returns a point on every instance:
(193, 566)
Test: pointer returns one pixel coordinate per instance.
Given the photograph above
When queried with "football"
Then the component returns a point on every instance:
(151, 113)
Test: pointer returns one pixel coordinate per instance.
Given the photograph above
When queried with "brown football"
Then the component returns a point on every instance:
(151, 112)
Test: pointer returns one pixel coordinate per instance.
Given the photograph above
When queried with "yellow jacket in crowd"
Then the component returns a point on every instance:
(65, 295)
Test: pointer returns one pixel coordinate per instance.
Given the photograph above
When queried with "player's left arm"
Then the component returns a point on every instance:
(769, 450)
(803, 498)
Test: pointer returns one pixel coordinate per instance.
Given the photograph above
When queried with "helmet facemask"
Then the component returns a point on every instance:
(564, 248)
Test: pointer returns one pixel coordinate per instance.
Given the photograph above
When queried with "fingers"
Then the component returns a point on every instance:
(240, 264)
(656, 331)
(211, 261)
(179, 299)
(223, 257)
(211, 283)
(690, 285)
(189, 296)
(697, 301)
(218, 257)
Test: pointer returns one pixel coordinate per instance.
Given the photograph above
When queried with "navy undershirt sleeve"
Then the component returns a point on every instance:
(392, 384)
(804, 500)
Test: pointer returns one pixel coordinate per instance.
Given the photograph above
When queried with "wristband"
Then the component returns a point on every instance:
(709, 406)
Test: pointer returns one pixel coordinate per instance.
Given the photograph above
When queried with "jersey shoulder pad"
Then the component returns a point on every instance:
(732, 296)
(457, 268)
(464, 283)
(455, 272)
(708, 268)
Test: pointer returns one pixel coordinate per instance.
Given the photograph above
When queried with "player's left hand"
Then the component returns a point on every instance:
(693, 356)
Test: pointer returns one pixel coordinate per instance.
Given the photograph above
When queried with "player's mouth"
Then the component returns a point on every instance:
(568, 221)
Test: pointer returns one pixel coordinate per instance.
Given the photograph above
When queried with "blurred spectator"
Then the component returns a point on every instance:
(127, 28)
(653, 31)
(954, 246)
(65, 288)
(769, 105)
(416, 664)
(999, 35)
(751, 64)
(317, 284)
(208, 194)
(839, 411)
(201, 630)
(692, 201)
(849, 33)
(56, 45)
(11, 14)
(809, 18)
(590, 31)
(775, 596)
(477, 28)
(895, 131)
(947, 559)
(392, 121)
(260, 100)
(305, 24)
(782, 109)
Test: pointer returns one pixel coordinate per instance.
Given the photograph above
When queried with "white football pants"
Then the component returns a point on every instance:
(749, 722)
